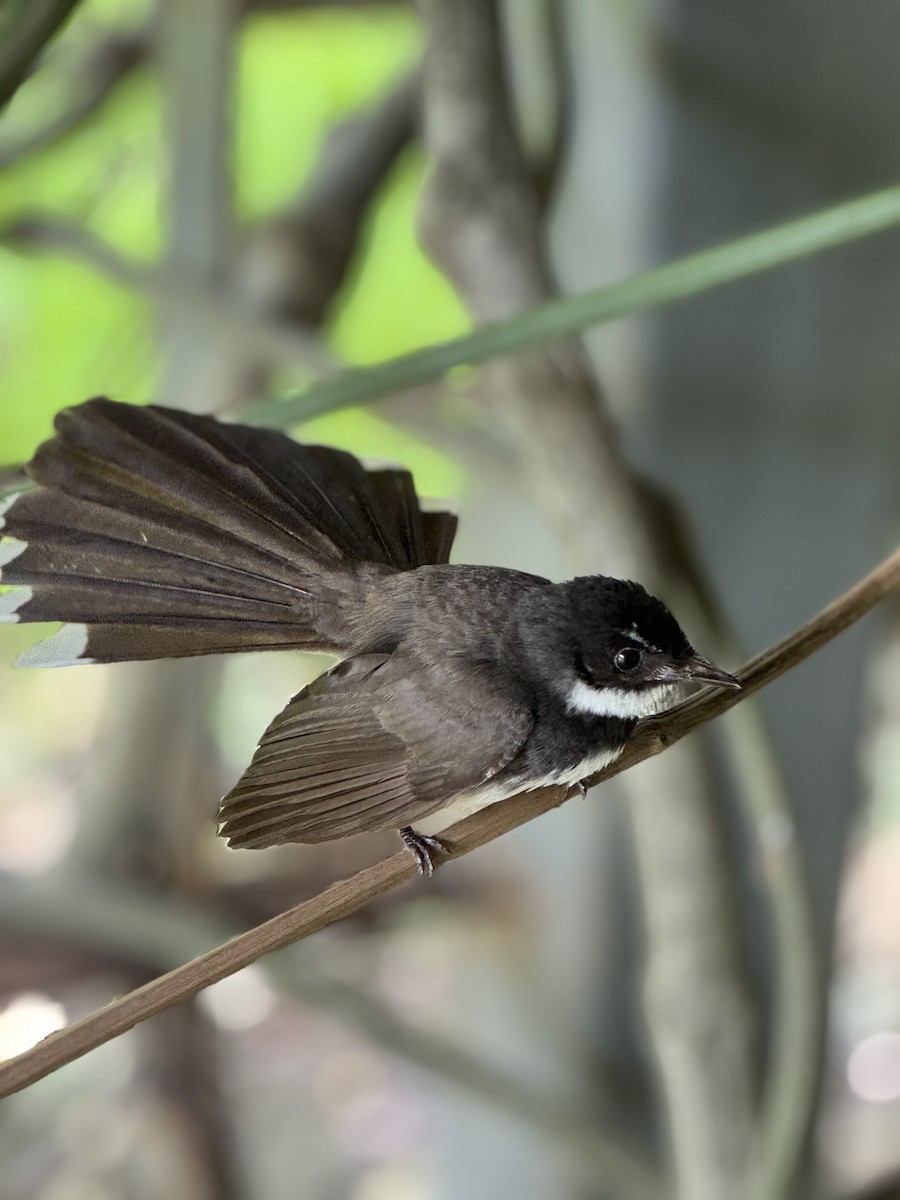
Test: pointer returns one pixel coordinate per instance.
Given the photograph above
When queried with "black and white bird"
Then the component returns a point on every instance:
(159, 534)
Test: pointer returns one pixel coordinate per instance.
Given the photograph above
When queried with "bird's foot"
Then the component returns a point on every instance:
(576, 789)
(423, 849)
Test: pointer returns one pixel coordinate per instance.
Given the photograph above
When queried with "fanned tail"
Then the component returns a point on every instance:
(163, 534)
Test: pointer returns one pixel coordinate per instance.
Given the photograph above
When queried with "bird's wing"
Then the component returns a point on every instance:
(378, 743)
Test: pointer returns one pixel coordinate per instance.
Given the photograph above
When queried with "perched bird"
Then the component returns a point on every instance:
(161, 534)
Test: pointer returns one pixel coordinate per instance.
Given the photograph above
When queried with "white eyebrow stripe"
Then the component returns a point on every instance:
(627, 704)
(631, 635)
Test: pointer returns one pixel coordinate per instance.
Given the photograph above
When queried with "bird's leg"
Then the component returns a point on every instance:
(422, 848)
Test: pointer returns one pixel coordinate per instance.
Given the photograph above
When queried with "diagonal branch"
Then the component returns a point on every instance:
(349, 895)
(108, 921)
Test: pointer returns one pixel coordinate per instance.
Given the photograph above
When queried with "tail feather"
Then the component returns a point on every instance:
(140, 461)
(80, 642)
(438, 532)
(50, 518)
(64, 555)
(97, 597)
(166, 534)
(395, 493)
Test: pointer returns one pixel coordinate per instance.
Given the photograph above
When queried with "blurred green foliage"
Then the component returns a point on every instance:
(66, 333)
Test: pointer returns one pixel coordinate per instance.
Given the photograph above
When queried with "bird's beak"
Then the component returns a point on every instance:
(703, 671)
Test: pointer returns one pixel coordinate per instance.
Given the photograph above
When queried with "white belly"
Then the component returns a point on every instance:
(492, 793)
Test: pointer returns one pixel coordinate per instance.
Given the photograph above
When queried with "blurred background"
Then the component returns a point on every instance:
(687, 985)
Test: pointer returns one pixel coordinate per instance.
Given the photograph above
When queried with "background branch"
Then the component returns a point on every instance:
(26, 29)
(214, 314)
(677, 280)
(289, 267)
(103, 68)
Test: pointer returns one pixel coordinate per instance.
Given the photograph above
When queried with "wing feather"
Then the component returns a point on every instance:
(377, 744)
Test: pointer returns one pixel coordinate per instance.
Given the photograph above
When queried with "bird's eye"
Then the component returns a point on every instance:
(628, 659)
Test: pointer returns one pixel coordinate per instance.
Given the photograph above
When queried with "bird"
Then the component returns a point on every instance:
(154, 533)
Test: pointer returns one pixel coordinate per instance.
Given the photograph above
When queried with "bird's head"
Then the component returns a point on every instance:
(617, 651)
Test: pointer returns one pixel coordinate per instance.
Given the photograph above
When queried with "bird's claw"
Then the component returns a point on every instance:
(423, 849)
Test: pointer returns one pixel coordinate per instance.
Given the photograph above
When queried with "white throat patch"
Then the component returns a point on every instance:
(625, 703)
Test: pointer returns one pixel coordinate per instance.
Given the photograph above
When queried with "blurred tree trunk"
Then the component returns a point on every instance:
(481, 224)
(789, 382)
(768, 409)
(144, 799)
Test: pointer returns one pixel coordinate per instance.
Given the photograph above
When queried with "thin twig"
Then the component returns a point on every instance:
(348, 895)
